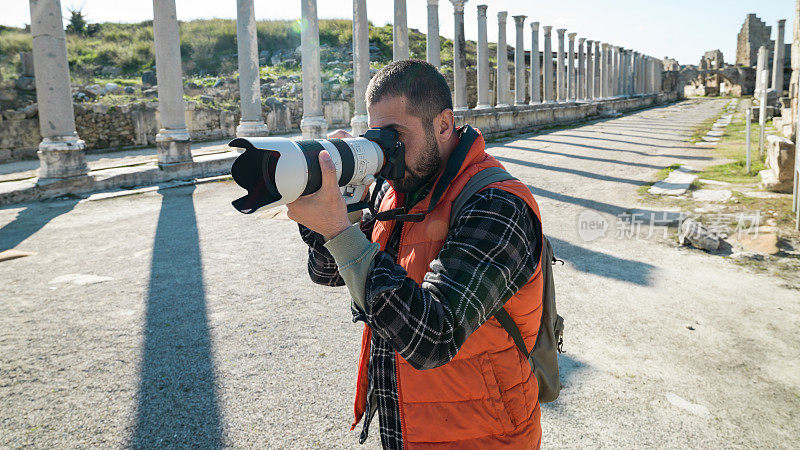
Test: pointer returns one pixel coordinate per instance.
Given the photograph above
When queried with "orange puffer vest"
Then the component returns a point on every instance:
(487, 396)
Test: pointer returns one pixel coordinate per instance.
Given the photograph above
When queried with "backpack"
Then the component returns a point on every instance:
(544, 356)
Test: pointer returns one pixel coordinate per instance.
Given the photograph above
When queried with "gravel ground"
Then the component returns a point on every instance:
(167, 319)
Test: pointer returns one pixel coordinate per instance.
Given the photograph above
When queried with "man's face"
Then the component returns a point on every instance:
(423, 161)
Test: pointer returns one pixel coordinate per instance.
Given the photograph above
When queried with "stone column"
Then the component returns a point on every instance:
(535, 83)
(459, 57)
(519, 61)
(777, 60)
(400, 31)
(561, 85)
(604, 72)
(483, 60)
(617, 70)
(598, 63)
(635, 74)
(589, 74)
(571, 84)
(502, 61)
(432, 40)
(252, 122)
(172, 139)
(61, 152)
(361, 76)
(581, 78)
(313, 124)
(547, 65)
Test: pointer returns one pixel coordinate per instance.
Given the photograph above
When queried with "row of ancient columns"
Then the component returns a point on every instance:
(61, 152)
(592, 71)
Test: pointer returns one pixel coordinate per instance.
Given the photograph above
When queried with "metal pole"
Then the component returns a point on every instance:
(762, 113)
(748, 113)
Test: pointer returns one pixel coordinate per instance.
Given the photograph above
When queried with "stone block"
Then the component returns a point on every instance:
(25, 83)
(695, 234)
(26, 64)
(779, 175)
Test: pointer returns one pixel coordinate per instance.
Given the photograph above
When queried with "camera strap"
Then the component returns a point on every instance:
(451, 170)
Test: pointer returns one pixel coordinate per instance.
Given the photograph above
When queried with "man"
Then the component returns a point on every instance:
(435, 365)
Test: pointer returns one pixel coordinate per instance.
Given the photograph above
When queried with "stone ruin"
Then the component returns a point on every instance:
(712, 60)
(751, 37)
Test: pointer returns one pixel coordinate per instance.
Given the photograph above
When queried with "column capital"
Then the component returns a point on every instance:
(581, 41)
(547, 29)
(458, 5)
(482, 10)
(561, 31)
(502, 16)
(534, 26)
(782, 22)
(571, 36)
(433, 2)
(589, 42)
(519, 21)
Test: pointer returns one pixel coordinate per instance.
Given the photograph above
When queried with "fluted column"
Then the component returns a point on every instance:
(589, 78)
(483, 60)
(172, 139)
(571, 81)
(597, 88)
(252, 122)
(519, 61)
(604, 72)
(561, 85)
(359, 122)
(502, 60)
(777, 60)
(313, 124)
(617, 70)
(535, 83)
(400, 31)
(635, 73)
(61, 152)
(580, 90)
(432, 40)
(459, 56)
(547, 65)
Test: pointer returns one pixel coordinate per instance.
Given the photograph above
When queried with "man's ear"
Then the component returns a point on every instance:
(444, 125)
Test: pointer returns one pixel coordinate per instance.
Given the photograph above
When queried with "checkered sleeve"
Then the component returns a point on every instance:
(489, 254)
(321, 266)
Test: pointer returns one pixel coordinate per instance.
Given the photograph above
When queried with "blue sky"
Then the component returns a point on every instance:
(683, 29)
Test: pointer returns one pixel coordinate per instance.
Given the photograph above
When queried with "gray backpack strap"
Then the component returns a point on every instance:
(478, 181)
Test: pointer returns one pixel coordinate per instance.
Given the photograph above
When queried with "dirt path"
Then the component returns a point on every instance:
(168, 319)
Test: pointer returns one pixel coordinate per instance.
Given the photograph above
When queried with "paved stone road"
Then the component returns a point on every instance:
(168, 319)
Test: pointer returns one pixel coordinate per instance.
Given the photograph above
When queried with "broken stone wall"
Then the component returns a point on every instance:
(754, 34)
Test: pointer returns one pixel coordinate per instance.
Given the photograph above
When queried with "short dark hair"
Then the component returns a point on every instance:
(425, 88)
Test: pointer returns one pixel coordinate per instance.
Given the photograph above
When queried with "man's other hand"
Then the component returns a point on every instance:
(323, 211)
(339, 134)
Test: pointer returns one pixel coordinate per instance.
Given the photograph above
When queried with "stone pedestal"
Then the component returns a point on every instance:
(313, 125)
(519, 61)
(252, 123)
(483, 60)
(400, 31)
(535, 77)
(502, 61)
(459, 57)
(61, 152)
(561, 74)
(779, 175)
(172, 139)
(432, 39)
(547, 66)
(361, 74)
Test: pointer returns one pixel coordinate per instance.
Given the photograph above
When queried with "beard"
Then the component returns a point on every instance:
(427, 168)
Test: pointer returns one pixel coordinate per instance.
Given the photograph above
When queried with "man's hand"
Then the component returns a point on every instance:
(323, 211)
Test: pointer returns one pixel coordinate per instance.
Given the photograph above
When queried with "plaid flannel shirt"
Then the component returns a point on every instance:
(489, 254)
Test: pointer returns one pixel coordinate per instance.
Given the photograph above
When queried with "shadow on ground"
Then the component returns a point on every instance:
(177, 401)
(32, 219)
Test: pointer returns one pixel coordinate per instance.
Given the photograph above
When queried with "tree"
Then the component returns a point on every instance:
(77, 22)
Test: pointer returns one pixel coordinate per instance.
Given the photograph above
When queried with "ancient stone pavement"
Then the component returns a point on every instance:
(168, 319)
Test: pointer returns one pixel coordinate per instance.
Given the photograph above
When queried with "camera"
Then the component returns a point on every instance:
(276, 171)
